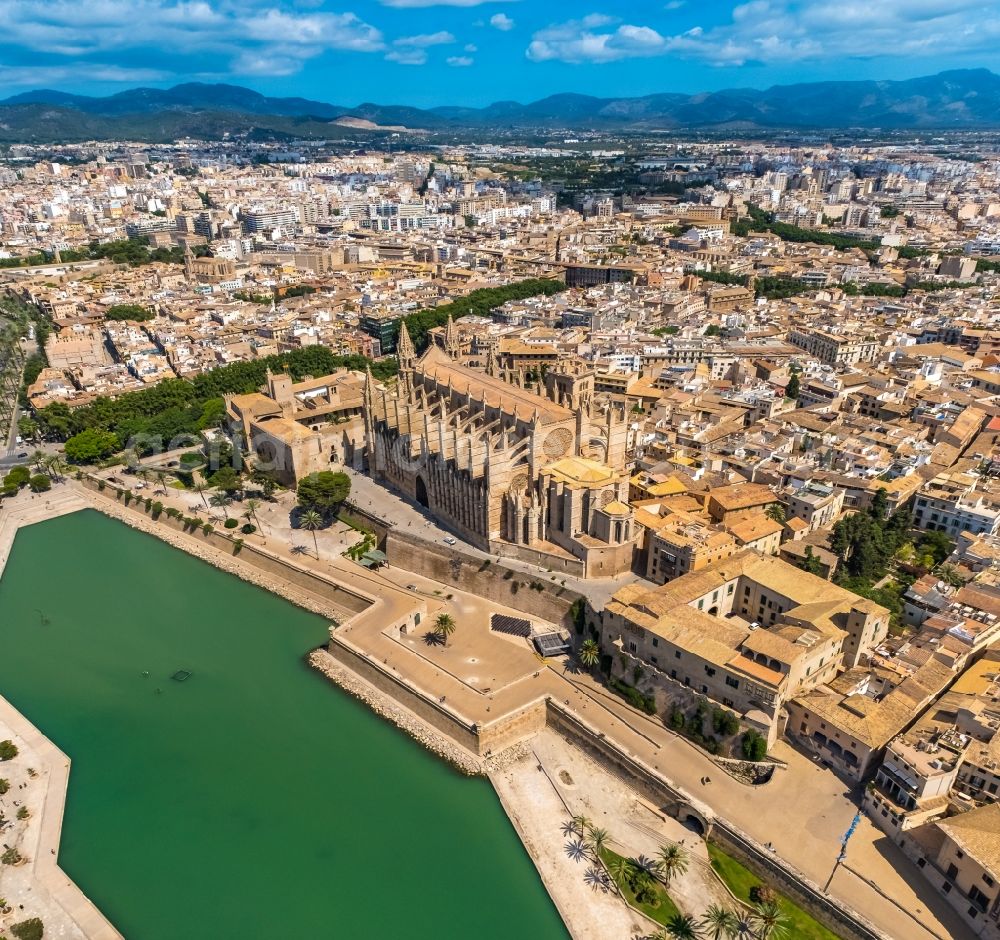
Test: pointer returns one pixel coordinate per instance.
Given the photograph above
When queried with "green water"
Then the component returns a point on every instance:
(254, 799)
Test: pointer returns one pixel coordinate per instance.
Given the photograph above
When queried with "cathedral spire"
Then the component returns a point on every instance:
(369, 388)
(491, 360)
(452, 345)
(405, 352)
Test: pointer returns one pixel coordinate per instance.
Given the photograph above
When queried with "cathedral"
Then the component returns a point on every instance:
(535, 475)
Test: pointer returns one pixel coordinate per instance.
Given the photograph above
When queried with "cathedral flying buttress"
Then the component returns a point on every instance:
(538, 476)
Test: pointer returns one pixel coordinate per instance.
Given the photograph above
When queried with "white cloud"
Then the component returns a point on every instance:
(255, 37)
(43, 76)
(460, 61)
(407, 56)
(470, 47)
(592, 40)
(782, 31)
(427, 39)
(502, 22)
(412, 4)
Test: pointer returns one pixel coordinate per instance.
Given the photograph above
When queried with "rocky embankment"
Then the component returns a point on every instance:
(389, 708)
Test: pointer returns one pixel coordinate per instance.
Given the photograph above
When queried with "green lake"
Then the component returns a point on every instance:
(255, 799)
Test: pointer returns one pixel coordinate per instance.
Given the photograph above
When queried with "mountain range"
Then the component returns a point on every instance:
(959, 99)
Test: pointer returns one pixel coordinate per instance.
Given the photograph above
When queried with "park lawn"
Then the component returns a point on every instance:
(739, 879)
(665, 907)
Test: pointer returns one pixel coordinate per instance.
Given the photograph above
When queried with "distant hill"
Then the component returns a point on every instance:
(967, 98)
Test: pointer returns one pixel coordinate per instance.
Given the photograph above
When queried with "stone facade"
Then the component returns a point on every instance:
(502, 465)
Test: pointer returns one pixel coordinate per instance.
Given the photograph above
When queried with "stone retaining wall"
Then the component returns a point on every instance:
(492, 580)
(253, 565)
(764, 864)
(388, 705)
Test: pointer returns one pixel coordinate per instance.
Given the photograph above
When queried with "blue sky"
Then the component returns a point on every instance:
(427, 52)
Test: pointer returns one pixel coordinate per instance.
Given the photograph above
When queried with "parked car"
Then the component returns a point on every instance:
(448, 540)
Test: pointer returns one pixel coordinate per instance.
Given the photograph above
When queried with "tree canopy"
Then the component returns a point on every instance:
(129, 312)
(92, 444)
(323, 491)
(175, 407)
(479, 302)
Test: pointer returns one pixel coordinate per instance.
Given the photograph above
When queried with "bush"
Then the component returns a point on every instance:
(10, 857)
(754, 745)
(248, 529)
(724, 722)
(4, 786)
(231, 523)
(8, 750)
(40, 483)
(31, 929)
(762, 894)
(17, 477)
(633, 696)
(676, 719)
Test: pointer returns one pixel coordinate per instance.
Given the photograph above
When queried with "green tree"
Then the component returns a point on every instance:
(793, 389)
(225, 479)
(323, 491)
(129, 312)
(40, 483)
(8, 750)
(776, 512)
(311, 520)
(31, 929)
(621, 870)
(28, 429)
(770, 921)
(754, 745)
(92, 445)
(683, 927)
(221, 501)
(719, 923)
(673, 861)
(200, 487)
(444, 627)
(590, 653)
(17, 477)
(810, 563)
(597, 840)
(252, 505)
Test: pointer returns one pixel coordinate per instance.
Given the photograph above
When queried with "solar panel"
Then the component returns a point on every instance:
(514, 626)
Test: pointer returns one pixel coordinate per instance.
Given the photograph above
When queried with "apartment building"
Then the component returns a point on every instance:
(954, 503)
(749, 632)
(834, 349)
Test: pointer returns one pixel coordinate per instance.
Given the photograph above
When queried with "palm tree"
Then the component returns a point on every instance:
(38, 459)
(719, 923)
(673, 861)
(650, 867)
(444, 626)
(161, 478)
(590, 653)
(311, 520)
(776, 512)
(221, 501)
(620, 869)
(199, 486)
(252, 506)
(770, 922)
(682, 927)
(597, 841)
